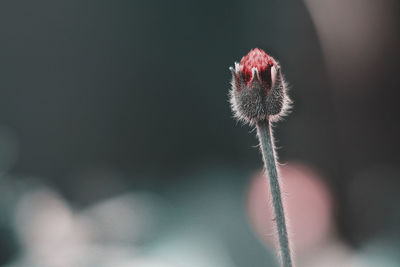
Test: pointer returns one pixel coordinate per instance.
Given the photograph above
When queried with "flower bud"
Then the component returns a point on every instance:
(258, 88)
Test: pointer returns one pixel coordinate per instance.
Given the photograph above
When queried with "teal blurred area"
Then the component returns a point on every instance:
(118, 146)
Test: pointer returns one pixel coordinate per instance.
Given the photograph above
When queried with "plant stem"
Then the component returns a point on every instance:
(264, 132)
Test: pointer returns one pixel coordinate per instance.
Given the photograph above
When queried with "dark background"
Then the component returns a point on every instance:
(98, 98)
(142, 86)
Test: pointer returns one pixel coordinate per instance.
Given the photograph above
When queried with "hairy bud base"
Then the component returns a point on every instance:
(258, 88)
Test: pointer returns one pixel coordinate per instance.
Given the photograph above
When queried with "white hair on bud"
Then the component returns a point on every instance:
(287, 103)
(254, 72)
(273, 75)
(237, 67)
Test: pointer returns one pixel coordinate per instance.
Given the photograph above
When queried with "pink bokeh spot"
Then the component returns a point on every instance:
(308, 207)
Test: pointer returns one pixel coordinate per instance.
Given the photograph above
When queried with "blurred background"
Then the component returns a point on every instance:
(118, 147)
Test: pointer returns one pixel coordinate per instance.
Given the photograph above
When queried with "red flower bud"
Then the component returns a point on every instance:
(258, 89)
(259, 60)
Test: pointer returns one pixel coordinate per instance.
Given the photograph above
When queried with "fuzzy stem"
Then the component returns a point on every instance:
(264, 132)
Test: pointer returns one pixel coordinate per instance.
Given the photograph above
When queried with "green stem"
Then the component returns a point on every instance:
(264, 132)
